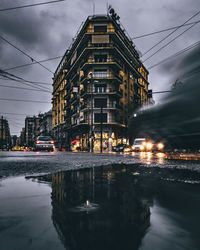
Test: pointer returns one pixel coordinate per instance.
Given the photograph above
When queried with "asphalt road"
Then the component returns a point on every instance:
(27, 163)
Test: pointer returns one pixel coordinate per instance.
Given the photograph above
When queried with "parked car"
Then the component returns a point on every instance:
(44, 143)
(121, 148)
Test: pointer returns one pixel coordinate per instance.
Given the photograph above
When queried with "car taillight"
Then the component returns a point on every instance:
(37, 142)
(52, 142)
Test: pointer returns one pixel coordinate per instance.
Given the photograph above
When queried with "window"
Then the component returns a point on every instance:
(100, 58)
(100, 88)
(100, 73)
(100, 28)
(100, 102)
(99, 116)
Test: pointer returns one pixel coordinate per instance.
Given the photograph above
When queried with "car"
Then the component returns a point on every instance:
(44, 143)
(143, 144)
(139, 144)
(120, 148)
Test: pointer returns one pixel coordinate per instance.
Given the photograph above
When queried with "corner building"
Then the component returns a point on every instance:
(98, 84)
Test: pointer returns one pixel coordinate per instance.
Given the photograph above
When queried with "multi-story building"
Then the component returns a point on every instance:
(5, 137)
(32, 130)
(97, 85)
(46, 123)
(22, 137)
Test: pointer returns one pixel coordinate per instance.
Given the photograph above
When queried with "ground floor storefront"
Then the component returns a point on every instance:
(84, 139)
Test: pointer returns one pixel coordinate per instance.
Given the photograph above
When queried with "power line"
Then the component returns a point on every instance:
(164, 30)
(31, 5)
(169, 42)
(12, 87)
(39, 83)
(172, 33)
(28, 84)
(20, 79)
(17, 100)
(27, 55)
(29, 64)
(176, 54)
(4, 113)
(161, 92)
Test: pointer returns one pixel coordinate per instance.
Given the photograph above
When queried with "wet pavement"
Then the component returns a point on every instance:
(129, 202)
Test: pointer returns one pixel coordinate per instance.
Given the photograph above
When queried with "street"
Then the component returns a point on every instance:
(64, 200)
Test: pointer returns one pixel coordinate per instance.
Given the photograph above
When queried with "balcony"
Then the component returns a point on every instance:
(102, 91)
(104, 76)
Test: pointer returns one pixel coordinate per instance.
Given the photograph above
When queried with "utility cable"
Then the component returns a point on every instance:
(29, 64)
(18, 100)
(164, 30)
(31, 5)
(24, 53)
(7, 113)
(12, 87)
(19, 79)
(172, 33)
(176, 54)
(169, 42)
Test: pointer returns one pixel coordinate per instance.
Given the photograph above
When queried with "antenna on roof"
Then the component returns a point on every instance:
(107, 8)
(93, 9)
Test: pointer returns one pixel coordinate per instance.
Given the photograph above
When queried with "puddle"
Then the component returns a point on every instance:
(109, 207)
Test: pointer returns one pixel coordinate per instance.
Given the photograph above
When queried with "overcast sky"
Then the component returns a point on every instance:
(47, 31)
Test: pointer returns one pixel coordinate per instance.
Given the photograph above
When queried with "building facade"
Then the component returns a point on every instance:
(46, 123)
(99, 82)
(5, 137)
(32, 130)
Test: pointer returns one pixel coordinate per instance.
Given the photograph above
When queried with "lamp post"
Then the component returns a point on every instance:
(91, 125)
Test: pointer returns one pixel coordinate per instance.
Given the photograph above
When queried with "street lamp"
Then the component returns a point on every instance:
(91, 125)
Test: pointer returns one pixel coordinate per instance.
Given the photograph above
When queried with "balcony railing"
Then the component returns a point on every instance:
(101, 91)
(108, 30)
(108, 106)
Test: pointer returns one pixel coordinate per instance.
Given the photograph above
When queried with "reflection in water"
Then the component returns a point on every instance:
(99, 208)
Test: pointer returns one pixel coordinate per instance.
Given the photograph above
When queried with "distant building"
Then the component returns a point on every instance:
(22, 138)
(32, 130)
(14, 140)
(46, 123)
(5, 137)
(99, 82)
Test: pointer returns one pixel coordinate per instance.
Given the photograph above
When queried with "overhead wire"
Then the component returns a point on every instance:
(22, 80)
(169, 42)
(29, 64)
(31, 5)
(24, 53)
(163, 30)
(175, 55)
(12, 87)
(172, 32)
(22, 100)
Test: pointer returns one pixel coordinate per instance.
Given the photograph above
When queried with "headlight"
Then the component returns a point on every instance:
(133, 147)
(141, 148)
(149, 146)
(160, 146)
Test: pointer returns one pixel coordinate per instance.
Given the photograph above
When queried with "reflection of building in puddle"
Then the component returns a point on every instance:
(99, 208)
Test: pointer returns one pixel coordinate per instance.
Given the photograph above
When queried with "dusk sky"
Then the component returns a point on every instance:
(46, 31)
